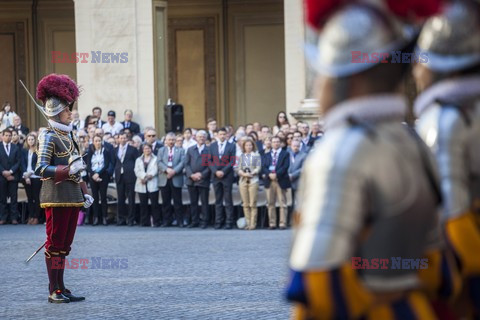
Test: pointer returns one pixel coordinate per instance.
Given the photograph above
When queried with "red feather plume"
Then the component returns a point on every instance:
(318, 11)
(57, 85)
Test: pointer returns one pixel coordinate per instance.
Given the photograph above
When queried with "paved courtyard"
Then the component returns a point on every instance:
(169, 274)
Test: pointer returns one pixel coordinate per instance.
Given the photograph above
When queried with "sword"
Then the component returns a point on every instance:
(39, 107)
(35, 253)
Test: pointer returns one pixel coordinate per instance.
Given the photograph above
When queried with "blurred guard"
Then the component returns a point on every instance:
(367, 188)
(63, 193)
(449, 122)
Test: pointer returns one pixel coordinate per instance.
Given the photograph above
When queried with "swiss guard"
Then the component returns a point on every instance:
(449, 122)
(369, 193)
(63, 192)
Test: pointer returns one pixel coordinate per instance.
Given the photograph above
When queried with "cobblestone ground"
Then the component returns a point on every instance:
(171, 274)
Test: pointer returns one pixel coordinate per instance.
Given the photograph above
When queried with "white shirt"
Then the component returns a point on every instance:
(221, 147)
(122, 151)
(200, 148)
(9, 148)
(98, 161)
(113, 129)
(7, 119)
(188, 144)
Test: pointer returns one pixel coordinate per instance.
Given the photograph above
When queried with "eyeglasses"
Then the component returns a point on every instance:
(151, 135)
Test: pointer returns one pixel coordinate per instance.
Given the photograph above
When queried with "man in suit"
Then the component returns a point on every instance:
(97, 113)
(276, 181)
(170, 179)
(223, 160)
(17, 125)
(129, 124)
(125, 157)
(197, 160)
(10, 161)
(151, 139)
(296, 163)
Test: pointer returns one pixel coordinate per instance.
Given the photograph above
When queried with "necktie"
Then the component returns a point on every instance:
(8, 149)
(274, 158)
(122, 156)
(170, 154)
(221, 150)
(127, 124)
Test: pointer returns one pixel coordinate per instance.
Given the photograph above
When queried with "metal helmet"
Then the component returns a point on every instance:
(452, 39)
(57, 92)
(54, 106)
(358, 27)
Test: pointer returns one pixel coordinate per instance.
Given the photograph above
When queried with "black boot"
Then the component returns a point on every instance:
(95, 221)
(104, 221)
(67, 293)
(56, 295)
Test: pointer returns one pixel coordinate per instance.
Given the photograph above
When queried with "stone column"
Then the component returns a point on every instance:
(299, 105)
(108, 28)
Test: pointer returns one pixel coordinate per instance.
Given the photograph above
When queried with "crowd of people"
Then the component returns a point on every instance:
(139, 162)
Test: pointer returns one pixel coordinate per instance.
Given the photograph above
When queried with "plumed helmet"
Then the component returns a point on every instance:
(357, 27)
(452, 39)
(57, 91)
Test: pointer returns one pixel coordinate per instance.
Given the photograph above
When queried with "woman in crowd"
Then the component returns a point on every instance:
(6, 116)
(100, 169)
(15, 137)
(288, 140)
(31, 182)
(267, 144)
(187, 139)
(281, 120)
(146, 170)
(248, 169)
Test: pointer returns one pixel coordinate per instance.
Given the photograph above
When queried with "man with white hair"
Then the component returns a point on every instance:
(197, 161)
(17, 125)
(170, 179)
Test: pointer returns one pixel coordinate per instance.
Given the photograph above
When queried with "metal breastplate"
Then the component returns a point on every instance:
(51, 153)
(452, 134)
(356, 184)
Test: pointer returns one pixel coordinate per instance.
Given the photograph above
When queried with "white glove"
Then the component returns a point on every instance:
(88, 200)
(77, 166)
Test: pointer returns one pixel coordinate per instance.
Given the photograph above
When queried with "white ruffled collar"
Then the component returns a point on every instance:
(369, 108)
(61, 126)
(448, 90)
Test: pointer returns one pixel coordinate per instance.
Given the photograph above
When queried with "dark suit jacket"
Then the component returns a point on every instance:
(259, 144)
(22, 129)
(158, 146)
(128, 164)
(281, 169)
(134, 127)
(195, 162)
(295, 168)
(24, 164)
(225, 163)
(12, 162)
(107, 171)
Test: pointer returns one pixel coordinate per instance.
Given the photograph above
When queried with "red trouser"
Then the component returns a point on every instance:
(61, 226)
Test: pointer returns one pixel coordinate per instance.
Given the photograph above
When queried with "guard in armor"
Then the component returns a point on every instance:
(367, 205)
(449, 122)
(63, 192)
